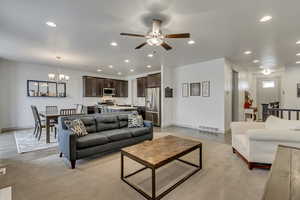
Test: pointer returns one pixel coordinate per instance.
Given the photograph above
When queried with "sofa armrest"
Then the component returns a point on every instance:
(67, 142)
(243, 127)
(274, 135)
(148, 123)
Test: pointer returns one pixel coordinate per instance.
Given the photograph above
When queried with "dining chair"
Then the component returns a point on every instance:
(40, 124)
(79, 108)
(51, 110)
(35, 120)
(67, 112)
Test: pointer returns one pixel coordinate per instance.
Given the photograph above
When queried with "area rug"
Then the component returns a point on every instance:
(26, 142)
(224, 177)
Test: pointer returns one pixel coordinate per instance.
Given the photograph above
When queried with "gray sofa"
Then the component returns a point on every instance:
(107, 133)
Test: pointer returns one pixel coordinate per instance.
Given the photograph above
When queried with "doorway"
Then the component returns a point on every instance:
(268, 91)
(235, 96)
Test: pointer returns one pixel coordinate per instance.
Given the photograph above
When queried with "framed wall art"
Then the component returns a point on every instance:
(195, 89)
(185, 89)
(298, 90)
(206, 88)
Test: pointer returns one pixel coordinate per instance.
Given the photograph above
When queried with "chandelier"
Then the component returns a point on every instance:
(58, 76)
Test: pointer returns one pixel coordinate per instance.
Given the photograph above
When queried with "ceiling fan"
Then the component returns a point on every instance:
(155, 37)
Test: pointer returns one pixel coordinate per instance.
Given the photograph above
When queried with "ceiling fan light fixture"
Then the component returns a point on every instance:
(155, 41)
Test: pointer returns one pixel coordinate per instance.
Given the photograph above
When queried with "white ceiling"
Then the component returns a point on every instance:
(86, 28)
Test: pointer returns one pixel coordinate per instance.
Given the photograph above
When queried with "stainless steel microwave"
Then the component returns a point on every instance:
(108, 91)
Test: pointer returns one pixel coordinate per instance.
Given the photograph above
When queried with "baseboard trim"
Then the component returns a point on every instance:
(3, 130)
(195, 128)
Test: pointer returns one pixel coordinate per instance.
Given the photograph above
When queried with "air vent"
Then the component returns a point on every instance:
(208, 129)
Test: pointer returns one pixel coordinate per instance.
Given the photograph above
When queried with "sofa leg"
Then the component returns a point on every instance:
(73, 163)
(250, 166)
(233, 150)
(61, 154)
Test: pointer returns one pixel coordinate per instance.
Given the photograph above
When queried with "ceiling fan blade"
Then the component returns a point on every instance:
(141, 45)
(166, 46)
(179, 35)
(130, 34)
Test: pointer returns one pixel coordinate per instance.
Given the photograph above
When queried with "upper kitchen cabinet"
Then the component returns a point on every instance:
(93, 86)
(141, 86)
(122, 88)
(109, 83)
(153, 80)
(90, 86)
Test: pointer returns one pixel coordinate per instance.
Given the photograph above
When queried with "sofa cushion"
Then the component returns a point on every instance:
(117, 134)
(139, 131)
(123, 120)
(89, 123)
(91, 140)
(107, 123)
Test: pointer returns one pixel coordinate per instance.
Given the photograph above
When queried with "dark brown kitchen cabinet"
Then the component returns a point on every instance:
(141, 86)
(100, 86)
(93, 86)
(109, 83)
(153, 80)
(121, 88)
(89, 86)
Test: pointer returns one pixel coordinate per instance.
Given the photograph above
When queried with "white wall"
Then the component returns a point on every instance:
(14, 103)
(167, 104)
(200, 111)
(289, 87)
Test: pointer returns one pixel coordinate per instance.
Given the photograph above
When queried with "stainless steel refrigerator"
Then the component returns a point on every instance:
(153, 105)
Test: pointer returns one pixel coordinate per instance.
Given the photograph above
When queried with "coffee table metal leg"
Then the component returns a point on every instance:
(200, 157)
(153, 184)
(122, 166)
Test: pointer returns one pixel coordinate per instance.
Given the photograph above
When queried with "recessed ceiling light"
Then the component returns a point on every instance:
(127, 61)
(248, 52)
(298, 62)
(255, 61)
(114, 44)
(266, 18)
(132, 70)
(119, 73)
(298, 42)
(149, 66)
(51, 24)
(150, 55)
(298, 54)
(99, 70)
(111, 66)
(191, 42)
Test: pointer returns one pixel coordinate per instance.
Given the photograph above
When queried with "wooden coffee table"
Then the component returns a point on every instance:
(157, 153)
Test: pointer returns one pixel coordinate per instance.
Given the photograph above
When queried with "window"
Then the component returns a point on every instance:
(268, 84)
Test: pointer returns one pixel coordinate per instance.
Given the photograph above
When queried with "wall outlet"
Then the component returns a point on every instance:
(2, 171)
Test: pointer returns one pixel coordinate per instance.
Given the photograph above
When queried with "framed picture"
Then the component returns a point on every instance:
(206, 88)
(195, 89)
(185, 89)
(298, 90)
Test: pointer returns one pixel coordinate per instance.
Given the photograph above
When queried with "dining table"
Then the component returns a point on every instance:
(48, 118)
